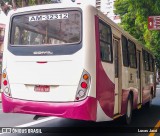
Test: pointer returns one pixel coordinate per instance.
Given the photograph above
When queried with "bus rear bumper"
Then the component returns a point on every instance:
(83, 110)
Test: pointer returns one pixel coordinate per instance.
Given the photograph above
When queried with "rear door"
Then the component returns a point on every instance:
(118, 74)
(139, 76)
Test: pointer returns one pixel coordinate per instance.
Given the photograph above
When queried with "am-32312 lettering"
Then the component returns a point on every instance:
(48, 17)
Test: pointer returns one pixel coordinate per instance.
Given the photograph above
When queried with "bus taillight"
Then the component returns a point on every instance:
(5, 84)
(83, 86)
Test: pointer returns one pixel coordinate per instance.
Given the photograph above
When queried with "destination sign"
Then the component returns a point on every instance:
(48, 17)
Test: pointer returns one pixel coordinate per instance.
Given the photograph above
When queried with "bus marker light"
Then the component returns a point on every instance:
(85, 76)
(4, 75)
(84, 85)
(5, 82)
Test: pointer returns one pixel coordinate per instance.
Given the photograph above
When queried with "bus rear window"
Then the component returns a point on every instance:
(47, 28)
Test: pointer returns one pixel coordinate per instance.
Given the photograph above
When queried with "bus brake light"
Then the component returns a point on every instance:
(84, 85)
(5, 82)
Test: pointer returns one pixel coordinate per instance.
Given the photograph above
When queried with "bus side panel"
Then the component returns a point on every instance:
(148, 83)
(135, 98)
(104, 86)
(146, 94)
(125, 94)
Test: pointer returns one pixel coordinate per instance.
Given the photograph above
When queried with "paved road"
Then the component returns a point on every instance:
(8, 120)
(142, 119)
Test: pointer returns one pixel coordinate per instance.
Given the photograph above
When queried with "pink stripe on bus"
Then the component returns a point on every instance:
(83, 110)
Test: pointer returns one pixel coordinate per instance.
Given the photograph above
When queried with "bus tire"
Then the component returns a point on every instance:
(129, 107)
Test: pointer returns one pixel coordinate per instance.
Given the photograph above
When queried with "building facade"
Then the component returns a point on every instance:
(2, 28)
(106, 6)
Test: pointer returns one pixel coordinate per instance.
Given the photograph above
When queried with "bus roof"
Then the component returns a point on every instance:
(45, 7)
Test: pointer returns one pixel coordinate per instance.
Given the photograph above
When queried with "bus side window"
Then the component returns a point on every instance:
(144, 64)
(151, 63)
(25, 37)
(105, 42)
(146, 60)
(132, 54)
(16, 36)
(148, 65)
(125, 51)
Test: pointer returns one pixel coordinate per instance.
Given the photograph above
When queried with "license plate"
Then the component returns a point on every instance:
(42, 88)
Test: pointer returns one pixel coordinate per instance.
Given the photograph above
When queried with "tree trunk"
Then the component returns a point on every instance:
(5, 8)
(25, 3)
(14, 4)
(39, 2)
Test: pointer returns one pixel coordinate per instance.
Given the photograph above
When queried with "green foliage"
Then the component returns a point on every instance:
(121, 7)
(32, 2)
(134, 15)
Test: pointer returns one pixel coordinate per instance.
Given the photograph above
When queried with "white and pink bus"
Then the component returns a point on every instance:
(73, 62)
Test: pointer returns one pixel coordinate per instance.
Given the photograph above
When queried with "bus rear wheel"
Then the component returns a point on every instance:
(128, 117)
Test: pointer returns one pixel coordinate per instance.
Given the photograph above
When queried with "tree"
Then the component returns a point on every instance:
(6, 5)
(5, 8)
(134, 15)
